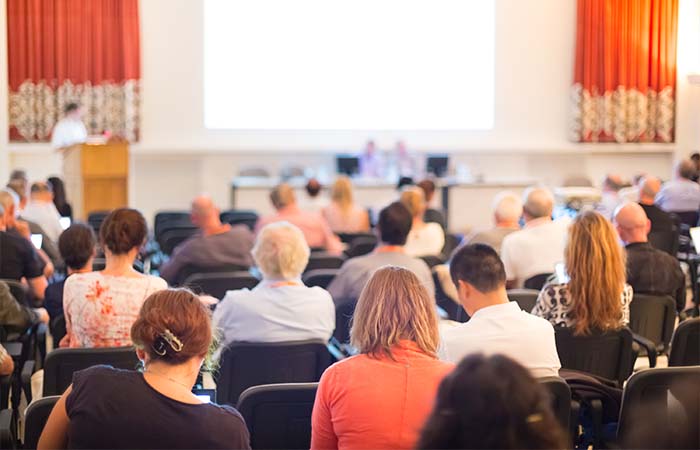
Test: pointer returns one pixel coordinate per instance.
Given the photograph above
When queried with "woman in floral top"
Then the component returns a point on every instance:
(100, 307)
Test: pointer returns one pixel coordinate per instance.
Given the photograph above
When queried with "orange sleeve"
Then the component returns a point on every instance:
(322, 435)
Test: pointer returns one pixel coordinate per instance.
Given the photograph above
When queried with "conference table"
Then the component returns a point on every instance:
(467, 203)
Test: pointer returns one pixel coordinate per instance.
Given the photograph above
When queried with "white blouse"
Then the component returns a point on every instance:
(427, 240)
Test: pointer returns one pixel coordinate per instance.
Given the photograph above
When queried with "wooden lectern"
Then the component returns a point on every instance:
(96, 177)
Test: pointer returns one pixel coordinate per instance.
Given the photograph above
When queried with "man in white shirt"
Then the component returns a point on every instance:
(682, 194)
(497, 326)
(539, 246)
(70, 130)
(42, 211)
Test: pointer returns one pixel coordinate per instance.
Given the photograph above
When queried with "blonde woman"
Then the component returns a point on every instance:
(596, 296)
(342, 214)
(381, 397)
(425, 239)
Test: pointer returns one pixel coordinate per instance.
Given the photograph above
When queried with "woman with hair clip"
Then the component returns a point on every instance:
(123, 409)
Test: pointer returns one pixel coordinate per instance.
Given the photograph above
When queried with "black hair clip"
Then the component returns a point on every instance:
(167, 339)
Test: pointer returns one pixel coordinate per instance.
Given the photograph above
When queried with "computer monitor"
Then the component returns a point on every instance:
(437, 165)
(348, 165)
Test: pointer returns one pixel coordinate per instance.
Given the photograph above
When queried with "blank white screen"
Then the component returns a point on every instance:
(349, 65)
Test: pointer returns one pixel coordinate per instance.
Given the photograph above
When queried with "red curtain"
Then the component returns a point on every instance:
(84, 51)
(625, 74)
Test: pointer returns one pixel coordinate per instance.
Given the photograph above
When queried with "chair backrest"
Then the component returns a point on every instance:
(240, 217)
(170, 219)
(685, 345)
(278, 416)
(95, 219)
(432, 260)
(454, 310)
(57, 326)
(61, 363)
(344, 310)
(653, 317)
(537, 281)
(661, 409)
(525, 298)
(324, 260)
(688, 218)
(172, 237)
(35, 418)
(666, 240)
(245, 364)
(191, 269)
(361, 246)
(452, 241)
(608, 355)
(217, 284)
(349, 237)
(319, 277)
(560, 396)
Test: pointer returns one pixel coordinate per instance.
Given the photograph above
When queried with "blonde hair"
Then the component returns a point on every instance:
(394, 306)
(281, 251)
(413, 198)
(341, 193)
(596, 267)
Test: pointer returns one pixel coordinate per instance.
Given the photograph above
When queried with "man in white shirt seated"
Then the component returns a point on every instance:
(41, 210)
(539, 246)
(496, 325)
(280, 308)
(70, 130)
(682, 194)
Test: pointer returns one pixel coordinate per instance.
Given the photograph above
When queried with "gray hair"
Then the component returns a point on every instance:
(507, 206)
(281, 251)
(686, 169)
(538, 202)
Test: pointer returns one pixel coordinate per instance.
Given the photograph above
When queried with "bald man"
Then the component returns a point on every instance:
(681, 194)
(649, 270)
(649, 187)
(215, 245)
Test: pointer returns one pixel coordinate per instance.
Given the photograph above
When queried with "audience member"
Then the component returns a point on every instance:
(393, 228)
(539, 246)
(381, 397)
(631, 193)
(112, 408)
(596, 296)
(216, 244)
(77, 247)
(314, 202)
(496, 325)
(42, 211)
(16, 317)
(649, 187)
(507, 209)
(491, 402)
(315, 228)
(59, 197)
(100, 307)
(280, 308)
(649, 270)
(681, 194)
(431, 215)
(424, 239)
(342, 214)
(610, 198)
(7, 365)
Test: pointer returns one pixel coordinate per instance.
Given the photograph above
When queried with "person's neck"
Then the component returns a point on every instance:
(388, 248)
(493, 298)
(85, 269)
(637, 240)
(418, 222)
(646, 201)
(119, 264)
(507, 224)
(215, 227)
(183, 375)
(534, 221)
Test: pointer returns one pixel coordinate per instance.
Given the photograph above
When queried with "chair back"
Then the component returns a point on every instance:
(217, 284)
(347, 238)
(452, 241)
(324, 260)
(454, 310)
(191, 269)
(361, 246)
(685, 345)
(688, 218)
(95, 219)
(432, 260)
(57, 327)
(62, 363)
(278, 416)
(319, 277)
(653, 317)
(537, 282)
(666, 240)
(166, 220)
(169, 239)
(660, 409)
(245, 364)
(608, 355)
(525, 298)
(560, 397)
(343, 317)
(240, 217)
(35, 418)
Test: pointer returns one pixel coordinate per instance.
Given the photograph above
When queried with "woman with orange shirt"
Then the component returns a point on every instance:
(381, 397)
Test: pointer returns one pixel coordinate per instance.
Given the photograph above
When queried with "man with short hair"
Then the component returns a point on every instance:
(42, 211)
(681, 194)
(507, 209)
(649, 187)
(216, 244)
(610, 195)
(496, 325)
(649, 270)
(393, 227)
(539, 246)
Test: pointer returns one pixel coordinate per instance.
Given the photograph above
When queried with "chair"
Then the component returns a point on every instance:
(666, 240)
(347, 238)
(240, 217)
(171, 238)
(454, 310)
(278, 416)
(452, 241)
(560, 396)
(661, 409)
(61, 363)
(35, 419)
(685, 345)
(525, 298)
(165, 220)
(95, 219)
(191, 269)
(344, 310)
(324, 260)
(7, 429)
(361, 246)
(217, 284)
(57, 327)
(687, 218)
(319, 277)
(653, 317)
(432, 260)
(245, 364)
(537, 281)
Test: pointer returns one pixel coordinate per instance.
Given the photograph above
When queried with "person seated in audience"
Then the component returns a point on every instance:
(631, 193)
(42, 211)
(649, 187)
(682, 194)
(280, 308)
(539, 246)
(491, 402)
(596, 296)
(431, 215)
(496, 325)
(424, 239)
(381, 397)
(7, 365)
(15, 316)
(610, 195)
(77, 246)
(342, 214)
(315, 228)
(99, 307)
(507, 209)
(649, 270)
(59, 197)
(112, 408)
(314, 201)
(392, 229)
(216, 244)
